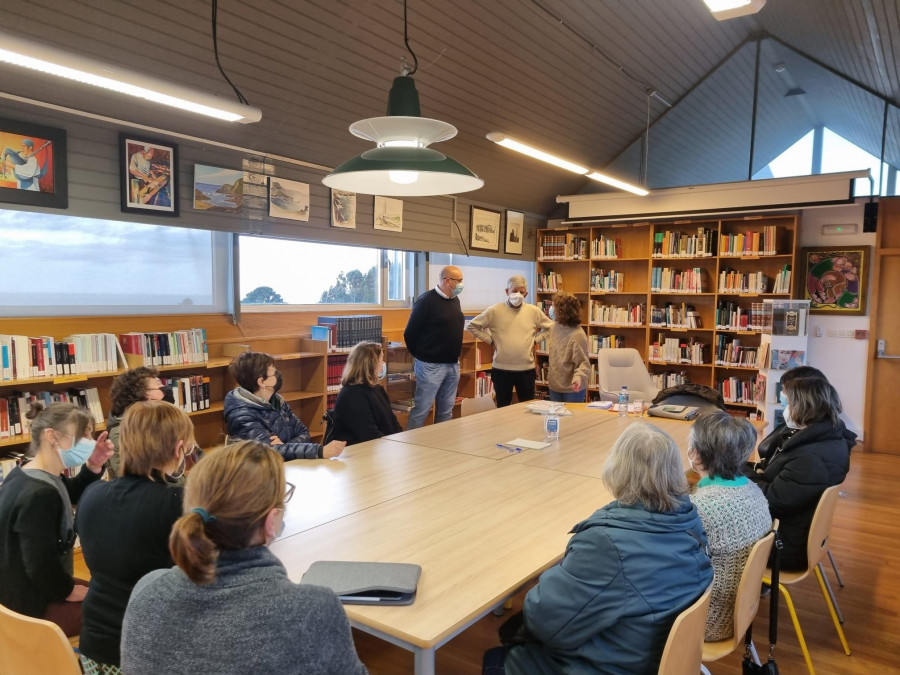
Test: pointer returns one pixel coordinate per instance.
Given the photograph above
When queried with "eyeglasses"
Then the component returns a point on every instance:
(289, 491)
(459, 281)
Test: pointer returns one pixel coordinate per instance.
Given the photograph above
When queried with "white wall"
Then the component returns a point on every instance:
(843, 360)
(485, 278)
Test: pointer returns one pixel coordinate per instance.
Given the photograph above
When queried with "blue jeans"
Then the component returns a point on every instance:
(436, 384)
(569, 396)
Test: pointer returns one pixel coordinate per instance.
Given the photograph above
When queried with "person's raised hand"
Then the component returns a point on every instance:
(103, 450)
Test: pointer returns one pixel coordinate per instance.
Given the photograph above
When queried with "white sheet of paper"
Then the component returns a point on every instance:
(525, 443)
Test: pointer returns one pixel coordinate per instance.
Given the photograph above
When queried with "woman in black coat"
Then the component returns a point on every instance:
(802, 458)
(363, 410)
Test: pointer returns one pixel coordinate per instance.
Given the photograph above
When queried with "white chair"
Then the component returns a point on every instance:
(470, 406)
(34, 646)
(684, 646)
(623, 366)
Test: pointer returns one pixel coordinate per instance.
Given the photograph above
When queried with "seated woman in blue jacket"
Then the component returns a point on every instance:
(628, 571)
(255, 411)
(363, 410)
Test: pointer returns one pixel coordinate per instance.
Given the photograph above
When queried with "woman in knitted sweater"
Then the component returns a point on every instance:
(734, 511)
(568, 348)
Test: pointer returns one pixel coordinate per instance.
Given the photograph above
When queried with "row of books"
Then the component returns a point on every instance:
(678, 350)
(25, 358)
(675, 315)
(783, 280)
(607, 281)
(598, 342)
(563, 247)
(606, 247)
(669, 379)
(750, 243)
(484, 386)
(675, 244)
(545, 305)
(14, 407)
(731, 316)
(335, 370)
(191, 392)
(732, 281)
(549, 281)
(628, 315)
(669, 279)
(736, 390)
(730, 352)
(345, 332)
(165, 349)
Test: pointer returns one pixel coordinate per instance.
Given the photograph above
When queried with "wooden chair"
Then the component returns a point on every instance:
(684, 646)
(33, 646)
(746, 602)
(471, 406)
(816, 550)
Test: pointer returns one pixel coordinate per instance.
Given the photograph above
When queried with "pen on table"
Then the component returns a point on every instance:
(511, 448)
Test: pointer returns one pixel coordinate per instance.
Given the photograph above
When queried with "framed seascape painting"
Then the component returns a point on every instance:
(288, 199)
(218, 189)
(515, 231)
(343, 209)
(388, 214)
(33, 165)
(484, 232)
(835, 279)
(149, 175)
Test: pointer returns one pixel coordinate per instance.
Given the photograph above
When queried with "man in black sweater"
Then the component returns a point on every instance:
(434, 336)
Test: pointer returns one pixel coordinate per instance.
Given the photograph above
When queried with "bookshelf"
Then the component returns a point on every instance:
(681, 292)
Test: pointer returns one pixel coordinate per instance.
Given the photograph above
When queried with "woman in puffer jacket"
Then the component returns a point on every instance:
(255, 411)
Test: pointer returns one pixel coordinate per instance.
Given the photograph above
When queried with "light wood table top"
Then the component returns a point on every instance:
(364, 475)
(478, 537)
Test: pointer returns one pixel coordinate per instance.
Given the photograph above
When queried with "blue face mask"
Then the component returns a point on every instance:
(551, 312)
(382, 371)
(782, 398)
(78, 454)
(458, 289)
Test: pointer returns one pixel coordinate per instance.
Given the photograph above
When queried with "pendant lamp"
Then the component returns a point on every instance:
(402, 164)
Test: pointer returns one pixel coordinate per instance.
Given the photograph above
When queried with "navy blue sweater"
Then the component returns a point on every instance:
(434, 331)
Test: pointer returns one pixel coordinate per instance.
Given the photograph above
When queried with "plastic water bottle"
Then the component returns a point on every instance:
(623, 401)
(551, 426)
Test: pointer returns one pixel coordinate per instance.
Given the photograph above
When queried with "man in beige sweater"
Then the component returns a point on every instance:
(512, 327)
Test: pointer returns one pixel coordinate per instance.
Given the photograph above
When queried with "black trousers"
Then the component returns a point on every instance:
(505, 380)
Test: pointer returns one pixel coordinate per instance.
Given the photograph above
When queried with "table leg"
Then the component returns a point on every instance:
(424, 659)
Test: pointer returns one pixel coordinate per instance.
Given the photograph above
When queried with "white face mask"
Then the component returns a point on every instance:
(788, 420)
(382, 371)
(515, 299)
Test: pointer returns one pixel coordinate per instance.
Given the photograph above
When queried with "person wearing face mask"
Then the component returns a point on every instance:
(801, 458)
(137, 384)
(229, 592)
(434, 335)
(36, 520)
(363, 410)
(254, 411)
(124, 525)
(512, 327)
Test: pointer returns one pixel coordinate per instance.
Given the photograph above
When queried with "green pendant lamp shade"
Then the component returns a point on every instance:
(402, 165)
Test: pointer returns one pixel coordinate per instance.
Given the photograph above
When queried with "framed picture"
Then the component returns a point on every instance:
(388, 214)
(515, 232)
(149, 175)
(484, 232)
(343, 209)
(33, 165)
(220, 190)
(288, 199)
(835, 279)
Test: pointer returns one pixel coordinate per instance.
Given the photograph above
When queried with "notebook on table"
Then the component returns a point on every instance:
(366, 583)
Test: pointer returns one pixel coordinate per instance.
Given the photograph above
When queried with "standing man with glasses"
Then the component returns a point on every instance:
(434, 336)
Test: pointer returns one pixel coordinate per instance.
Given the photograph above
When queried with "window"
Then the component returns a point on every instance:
(56, 265)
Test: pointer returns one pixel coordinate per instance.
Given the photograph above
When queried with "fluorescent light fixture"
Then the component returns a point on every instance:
(731, 9)
(512, 144)
(46, 59)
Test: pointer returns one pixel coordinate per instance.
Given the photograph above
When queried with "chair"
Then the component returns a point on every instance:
(816, 550)
(684, 646)
(746, 602)
(623, 366)
(34, 646)
(470, 406)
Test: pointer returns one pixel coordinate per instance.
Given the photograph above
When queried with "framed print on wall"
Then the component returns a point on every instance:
(149, 176)
(343, 209)
(484, 231)
(515, 232)
(835, 279)
(33, 165)
(288, 199)
(388, 214)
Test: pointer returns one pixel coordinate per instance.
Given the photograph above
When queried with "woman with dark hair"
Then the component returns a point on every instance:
(255, 411)
(36, 521)
(568, 348)
(137, 384)
(803, 457)
(229, 593)
(363, 410)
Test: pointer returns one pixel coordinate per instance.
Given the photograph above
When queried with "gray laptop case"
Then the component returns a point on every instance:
(366, 583)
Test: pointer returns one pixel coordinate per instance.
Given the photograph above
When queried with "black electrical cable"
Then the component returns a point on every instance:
(406, 40)
(215, 11)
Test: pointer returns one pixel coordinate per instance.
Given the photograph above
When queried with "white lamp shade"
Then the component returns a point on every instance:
(385, 130)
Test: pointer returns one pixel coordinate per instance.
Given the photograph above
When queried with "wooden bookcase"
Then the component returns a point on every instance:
(612, 265)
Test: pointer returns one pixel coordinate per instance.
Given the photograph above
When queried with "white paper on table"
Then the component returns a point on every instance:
(525, 443)
(546, 407)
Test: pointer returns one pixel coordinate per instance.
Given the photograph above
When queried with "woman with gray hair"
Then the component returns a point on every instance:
(628, 571)
(734, 511)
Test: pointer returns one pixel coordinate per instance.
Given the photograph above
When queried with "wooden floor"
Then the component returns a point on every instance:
(865, 537)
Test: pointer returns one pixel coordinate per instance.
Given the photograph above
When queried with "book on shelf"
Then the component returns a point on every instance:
(607, 281)
(606, 247)
(675, 315)
(734, 281)
(736, 390)
(13, 407)
(628, 315)
(549, 281)
(173, 348)
(676, 244)
(26, 358)
(566, 246)
(671, 280)
(348, 331)
(783, 280)
(669, 379)
(750, 243)
(678, 350)
(484, 385)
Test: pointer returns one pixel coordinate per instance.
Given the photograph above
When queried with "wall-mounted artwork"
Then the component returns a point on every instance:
(343, 209)
(218, 189)
(388, 214)
(33, 165)
(515, 232)
(835, 279)
(288, 199)
(484, 232)
(149, 176)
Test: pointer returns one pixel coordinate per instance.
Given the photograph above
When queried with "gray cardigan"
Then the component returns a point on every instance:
(251, 619)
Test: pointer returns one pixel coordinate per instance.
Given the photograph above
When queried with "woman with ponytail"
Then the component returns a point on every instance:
(36, 520)
(124, 525)
(229, 593)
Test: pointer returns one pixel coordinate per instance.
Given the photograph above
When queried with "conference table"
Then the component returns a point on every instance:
(480, 520)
